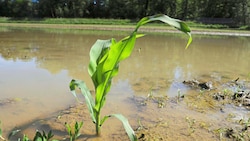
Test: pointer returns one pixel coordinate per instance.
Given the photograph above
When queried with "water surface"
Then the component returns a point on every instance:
(36, 67)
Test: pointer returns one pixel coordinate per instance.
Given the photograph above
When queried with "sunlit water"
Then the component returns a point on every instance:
(36, 67)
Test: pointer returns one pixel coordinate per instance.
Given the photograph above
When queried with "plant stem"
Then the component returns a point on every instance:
(97, 124)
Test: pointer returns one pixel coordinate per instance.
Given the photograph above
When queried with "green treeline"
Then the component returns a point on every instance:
(228, 12)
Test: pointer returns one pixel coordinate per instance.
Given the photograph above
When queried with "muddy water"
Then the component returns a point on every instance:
(37, 65)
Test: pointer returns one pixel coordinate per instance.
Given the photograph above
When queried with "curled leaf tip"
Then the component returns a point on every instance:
(72, 85)
(189, 40)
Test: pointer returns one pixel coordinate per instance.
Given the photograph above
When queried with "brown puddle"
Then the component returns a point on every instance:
(36, 67)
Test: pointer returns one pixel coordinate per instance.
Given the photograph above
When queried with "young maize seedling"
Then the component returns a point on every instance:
(105, 56)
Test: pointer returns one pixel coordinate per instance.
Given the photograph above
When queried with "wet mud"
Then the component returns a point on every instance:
(214, 112)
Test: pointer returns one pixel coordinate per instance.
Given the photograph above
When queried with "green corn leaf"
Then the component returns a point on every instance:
(39, 136)
(68, 129)
(126, 125)
(44, 135)
(50, 135)
(78, 126)
(1, 132)
(189, 40)
(119, 52)
(178, 24)
(86, 93)
(25, 138)
(104, 119)
(109, 68)
(97, 55)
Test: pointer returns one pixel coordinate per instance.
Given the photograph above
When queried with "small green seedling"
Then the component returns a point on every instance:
(25, 138)
(43, 137)
(38, 136)
(74, 133)
(1, 132)
(105, 56)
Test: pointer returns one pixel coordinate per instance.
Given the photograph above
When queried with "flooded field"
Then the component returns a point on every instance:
(36, 67)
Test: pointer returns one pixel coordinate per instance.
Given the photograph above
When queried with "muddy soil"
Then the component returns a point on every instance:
(212, 113)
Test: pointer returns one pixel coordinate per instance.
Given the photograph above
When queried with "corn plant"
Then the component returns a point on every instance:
(105, 56)
(43, 137)
(39, 136)
(74, 133)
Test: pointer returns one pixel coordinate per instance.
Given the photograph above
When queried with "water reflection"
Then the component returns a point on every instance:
(36, 66)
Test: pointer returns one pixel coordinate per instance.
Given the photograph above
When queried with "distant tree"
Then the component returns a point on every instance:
(75, 8)
(238, 10)
(6, 8)
(168, 7)
(242, 12)
(143, 6)
(21, 8)
(220, 8)
(117, 9)
(47, 8)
